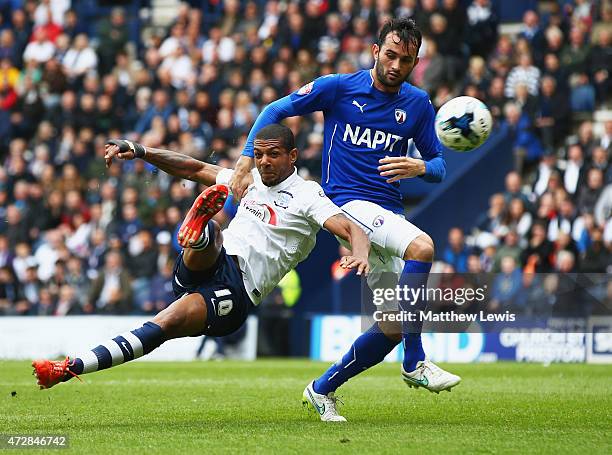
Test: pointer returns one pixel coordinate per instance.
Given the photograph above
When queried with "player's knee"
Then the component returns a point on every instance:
(420, 249)
(178, 319)
(392, 330)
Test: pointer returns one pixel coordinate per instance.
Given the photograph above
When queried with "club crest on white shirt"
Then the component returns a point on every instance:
(283, 199)
(263, 212)
(400, 116)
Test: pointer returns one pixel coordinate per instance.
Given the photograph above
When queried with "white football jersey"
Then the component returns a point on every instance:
(274, 229)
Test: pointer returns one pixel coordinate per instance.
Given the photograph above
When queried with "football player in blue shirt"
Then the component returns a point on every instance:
(369, 117)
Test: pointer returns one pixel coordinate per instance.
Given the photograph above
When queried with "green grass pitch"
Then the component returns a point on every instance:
(235, 407)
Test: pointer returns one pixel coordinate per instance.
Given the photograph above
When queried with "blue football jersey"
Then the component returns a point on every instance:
(363, 125)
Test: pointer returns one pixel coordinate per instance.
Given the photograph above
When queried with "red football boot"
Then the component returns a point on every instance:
(51, 372)
(203, 209)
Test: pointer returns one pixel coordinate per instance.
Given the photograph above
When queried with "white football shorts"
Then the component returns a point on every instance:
(389, 234)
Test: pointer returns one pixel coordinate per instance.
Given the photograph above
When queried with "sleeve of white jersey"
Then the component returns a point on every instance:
(317, 206)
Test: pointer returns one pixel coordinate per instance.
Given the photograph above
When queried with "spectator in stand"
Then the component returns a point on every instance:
(15, 228)
(431, 71)
(143, 267)
(67, 302)
(601, 64)
(161, 107)
(72, 26)
(597, 258)
(456, 19)
(218, 48)
(517, 218)
(589, 193)
(536, 257)
(574, 56)
(11, 298)
(496, 100)
(506, 288)
(527, 146)
(553, 114)
(552, 68)
(481, 32)
(582, 97)
(113, 35)
(527, 102)
(111, 292)
(456, 253)
(564, 221)
(31, 285)
(492, 220)
(547, 167)
(161, 293)
(573, 175)
(41, 49)
(7, 46)
(423, 13)
(513, 184)
(564, 242)
(533, 33)
(525, 73)
(599, 160)
(79, 60)
(510, 248)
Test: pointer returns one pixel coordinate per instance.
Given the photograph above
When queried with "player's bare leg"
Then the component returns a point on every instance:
(204, 259)
(187, 316)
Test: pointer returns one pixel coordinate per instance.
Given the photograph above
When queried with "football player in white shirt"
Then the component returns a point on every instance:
(220, 275)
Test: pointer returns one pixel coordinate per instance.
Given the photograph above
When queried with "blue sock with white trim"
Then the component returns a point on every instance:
(369, 349)
(123, 348)
(414, 276)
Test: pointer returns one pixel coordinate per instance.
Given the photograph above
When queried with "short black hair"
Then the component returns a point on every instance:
(278, 131)
(405, 28)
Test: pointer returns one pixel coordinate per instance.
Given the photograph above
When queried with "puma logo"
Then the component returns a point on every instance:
(360, 106)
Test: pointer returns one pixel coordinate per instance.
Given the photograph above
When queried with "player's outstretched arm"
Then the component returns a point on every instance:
(173, 163)
(360, 245)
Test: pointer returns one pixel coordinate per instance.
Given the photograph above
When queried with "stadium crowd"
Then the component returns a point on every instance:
(79, 238)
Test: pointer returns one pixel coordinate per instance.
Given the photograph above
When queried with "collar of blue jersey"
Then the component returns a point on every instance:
(285, 183)
(375, 91)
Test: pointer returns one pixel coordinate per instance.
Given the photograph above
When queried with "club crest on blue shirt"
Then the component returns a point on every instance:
(305, 89)
(400, 116)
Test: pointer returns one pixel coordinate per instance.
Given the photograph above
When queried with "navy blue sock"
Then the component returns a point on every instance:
(369, 349)
(123, 348)
(414, 276)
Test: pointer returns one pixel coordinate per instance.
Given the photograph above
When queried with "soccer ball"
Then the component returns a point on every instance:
(463, 123)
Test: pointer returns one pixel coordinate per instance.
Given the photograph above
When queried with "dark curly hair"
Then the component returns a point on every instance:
(406, 30)
(278, 131)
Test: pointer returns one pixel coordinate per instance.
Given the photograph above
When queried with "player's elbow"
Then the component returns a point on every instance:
(278, 110)
(439, 171)
(442, 171)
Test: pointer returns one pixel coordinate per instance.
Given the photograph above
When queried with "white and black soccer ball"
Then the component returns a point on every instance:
(463, 123)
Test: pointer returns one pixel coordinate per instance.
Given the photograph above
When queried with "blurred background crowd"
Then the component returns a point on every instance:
(79, 238)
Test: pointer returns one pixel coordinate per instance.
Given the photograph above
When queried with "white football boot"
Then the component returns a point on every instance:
(324, 405)
(430, 376)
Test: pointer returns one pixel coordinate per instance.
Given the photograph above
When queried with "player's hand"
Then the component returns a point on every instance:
(241, 178)
(354, 262)
(400, 167)
(124, 150)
